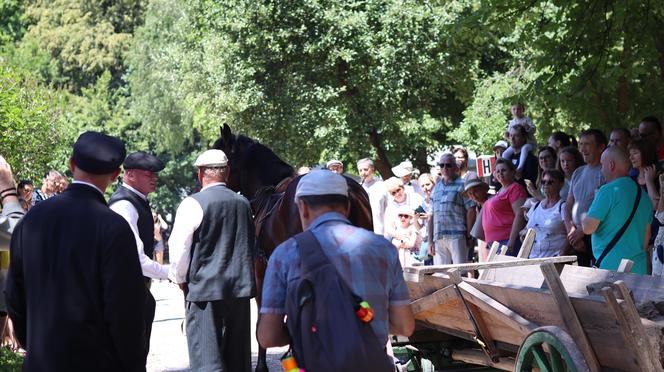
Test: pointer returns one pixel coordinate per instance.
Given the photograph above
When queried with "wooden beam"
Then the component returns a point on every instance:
(625, 266)
(638, 350)
(527, 245)
(569, 316)
(478, 357)
(644, 288)
(492, 253)
(439, 297)
(634, 321)
(489, 305)
(423, 270)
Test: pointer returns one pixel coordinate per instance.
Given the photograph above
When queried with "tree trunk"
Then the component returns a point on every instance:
(421, 161)
(382, 163)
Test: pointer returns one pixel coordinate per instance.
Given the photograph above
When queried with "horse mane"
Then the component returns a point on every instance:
(265, 165)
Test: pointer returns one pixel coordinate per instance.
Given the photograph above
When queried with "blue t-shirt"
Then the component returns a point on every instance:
(367, 261)
(612, 206)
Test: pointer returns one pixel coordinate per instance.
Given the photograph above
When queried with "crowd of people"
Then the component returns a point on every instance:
(597, 198)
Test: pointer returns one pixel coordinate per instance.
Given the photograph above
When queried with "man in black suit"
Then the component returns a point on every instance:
(74, 282)
(212, 255)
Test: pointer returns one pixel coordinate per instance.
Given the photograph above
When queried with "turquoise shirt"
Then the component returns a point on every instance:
(612, 205)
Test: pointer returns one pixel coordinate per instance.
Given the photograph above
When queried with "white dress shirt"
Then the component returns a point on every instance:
(378, 200)
(124, 208)
(188, 218)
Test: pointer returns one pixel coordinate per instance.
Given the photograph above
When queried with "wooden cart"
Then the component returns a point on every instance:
(541, 314)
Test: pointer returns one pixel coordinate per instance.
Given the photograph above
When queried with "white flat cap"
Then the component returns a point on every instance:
(500, 143)
(403, 169)
(211, 158)
(334, 162)
(321, 182)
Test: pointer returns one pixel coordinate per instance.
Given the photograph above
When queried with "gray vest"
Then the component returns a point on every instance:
(222, 254)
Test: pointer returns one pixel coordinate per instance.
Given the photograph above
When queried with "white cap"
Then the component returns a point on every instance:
(211, 158)
(501, 143)
(321, 182)
(403, 169)
(334, 162)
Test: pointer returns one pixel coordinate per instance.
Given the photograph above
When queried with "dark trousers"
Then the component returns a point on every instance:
(150, 307)
(219, 335)
(586, 258)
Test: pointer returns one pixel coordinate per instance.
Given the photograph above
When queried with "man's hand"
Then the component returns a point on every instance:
(184, 287)
(575, 236)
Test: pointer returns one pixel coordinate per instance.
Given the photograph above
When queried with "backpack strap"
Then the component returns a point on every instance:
(620, 232)
(310, 252)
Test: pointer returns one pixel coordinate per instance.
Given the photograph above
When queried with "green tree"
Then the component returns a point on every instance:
(383, 78)
(12, 21)
(84, 38)
(29, 123)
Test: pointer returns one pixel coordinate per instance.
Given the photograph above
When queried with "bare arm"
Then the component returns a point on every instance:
(650, 175)
(518, 224)
(569, 224)
(471, 215)
(590, 225)
(402, 321)
(272, 331)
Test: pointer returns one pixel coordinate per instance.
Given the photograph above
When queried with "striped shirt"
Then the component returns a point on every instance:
(449, 209)
(367, 261)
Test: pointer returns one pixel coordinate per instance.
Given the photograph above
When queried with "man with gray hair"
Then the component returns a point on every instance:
(212, 259)
(452, 216)
(376, 190)
(619, 216)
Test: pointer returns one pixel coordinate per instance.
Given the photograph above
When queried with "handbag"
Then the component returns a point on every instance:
(620, 232)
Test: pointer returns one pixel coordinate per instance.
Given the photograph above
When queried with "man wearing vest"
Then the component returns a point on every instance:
(212, 259)
(130, 201)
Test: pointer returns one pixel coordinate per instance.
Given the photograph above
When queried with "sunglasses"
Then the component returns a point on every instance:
(396, 191)
(548, 182)
(447, 165)
(404, 216)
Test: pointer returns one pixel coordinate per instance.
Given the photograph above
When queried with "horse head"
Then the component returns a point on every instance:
(235, 148)
(252, 164)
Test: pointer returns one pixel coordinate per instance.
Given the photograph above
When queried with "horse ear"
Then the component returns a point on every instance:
(226, 133)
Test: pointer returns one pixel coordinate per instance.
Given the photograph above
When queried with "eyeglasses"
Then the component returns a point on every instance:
(447, 165)
(396, 191)
(404, 216)
(548, 182)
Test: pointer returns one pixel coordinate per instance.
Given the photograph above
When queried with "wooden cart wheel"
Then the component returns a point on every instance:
(550, 349)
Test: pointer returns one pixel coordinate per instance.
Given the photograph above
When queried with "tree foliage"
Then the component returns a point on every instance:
(29, 123)
(84, 38)
(307, 75)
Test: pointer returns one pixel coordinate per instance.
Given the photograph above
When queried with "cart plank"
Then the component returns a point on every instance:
(412, 273)
(644, 288)
(569, 316)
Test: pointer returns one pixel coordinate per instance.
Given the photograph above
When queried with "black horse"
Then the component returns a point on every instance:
(270, 183)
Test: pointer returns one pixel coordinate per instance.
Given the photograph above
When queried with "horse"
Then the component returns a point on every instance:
(270, 183)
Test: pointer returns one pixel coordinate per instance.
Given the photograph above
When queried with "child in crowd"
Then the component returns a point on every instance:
(518, 118)
(406, 237)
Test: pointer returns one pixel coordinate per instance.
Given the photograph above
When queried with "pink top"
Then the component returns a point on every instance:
(497, 213)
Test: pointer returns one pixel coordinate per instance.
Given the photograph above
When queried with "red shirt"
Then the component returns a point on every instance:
(497, 213)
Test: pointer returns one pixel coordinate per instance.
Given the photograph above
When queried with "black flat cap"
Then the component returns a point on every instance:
(98, 153)
(143, 160)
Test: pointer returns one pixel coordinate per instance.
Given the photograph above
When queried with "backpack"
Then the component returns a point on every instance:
(326, 334)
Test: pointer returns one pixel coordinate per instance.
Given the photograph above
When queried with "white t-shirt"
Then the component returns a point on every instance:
(550, 233)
